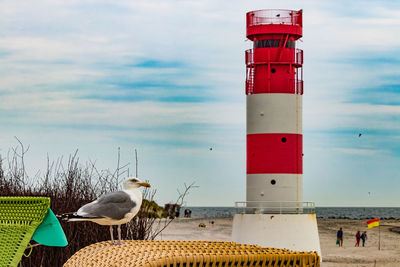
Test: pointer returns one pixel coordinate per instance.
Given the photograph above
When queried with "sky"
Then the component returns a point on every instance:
(167, 78)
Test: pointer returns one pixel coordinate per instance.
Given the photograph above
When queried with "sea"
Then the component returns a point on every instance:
(383, 213)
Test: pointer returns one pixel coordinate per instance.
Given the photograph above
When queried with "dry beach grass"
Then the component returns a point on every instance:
(333, 256)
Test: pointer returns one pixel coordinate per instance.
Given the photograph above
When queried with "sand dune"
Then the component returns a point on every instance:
(333, 256)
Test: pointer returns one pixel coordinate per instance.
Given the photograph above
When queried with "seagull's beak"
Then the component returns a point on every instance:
(145, 184)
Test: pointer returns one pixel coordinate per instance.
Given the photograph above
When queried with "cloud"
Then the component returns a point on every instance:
(170, 74)
(360, 152)
(152, 63)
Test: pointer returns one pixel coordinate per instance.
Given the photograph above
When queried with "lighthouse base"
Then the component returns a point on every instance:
(291, 231)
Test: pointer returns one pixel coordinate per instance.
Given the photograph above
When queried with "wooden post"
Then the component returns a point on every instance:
(379, 243)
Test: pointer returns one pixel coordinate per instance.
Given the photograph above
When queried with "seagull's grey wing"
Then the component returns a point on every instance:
(113, 205)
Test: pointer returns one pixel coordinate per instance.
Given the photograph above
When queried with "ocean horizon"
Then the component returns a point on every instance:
(321, 212)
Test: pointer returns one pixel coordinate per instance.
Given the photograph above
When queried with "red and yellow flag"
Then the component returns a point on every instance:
(373, 223)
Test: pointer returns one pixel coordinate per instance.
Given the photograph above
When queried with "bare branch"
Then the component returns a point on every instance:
(162, 225)
(136, 160)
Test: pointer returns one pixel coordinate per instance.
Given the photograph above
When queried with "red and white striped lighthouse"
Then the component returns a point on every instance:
(274, 214)
(274, 89)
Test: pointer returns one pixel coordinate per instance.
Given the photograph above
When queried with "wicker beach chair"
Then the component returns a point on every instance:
(19, 217)
(23, 218)
(188, 253)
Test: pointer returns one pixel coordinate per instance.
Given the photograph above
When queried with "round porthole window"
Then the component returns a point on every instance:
(283, 139)
(273, 70)
(273, 182)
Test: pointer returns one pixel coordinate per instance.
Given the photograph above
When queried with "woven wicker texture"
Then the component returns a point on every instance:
(19, 217)
(188, 253)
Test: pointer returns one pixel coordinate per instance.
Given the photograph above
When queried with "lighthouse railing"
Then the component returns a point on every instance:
(274, 16)
(260, 56)
(274, 207)
(299, 58)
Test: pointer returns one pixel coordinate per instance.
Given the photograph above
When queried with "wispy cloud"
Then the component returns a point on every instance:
(360, 152)
(152, 63)
(170, 75)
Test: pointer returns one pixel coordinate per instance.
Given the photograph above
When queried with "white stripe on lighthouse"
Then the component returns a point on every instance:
(274, 187)
(274, 113)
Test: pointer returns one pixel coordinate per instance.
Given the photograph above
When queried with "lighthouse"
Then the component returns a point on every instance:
(274, 213)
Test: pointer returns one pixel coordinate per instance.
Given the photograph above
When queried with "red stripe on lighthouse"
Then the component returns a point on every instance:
(274, 153)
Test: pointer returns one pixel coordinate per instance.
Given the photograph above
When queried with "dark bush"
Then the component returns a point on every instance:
(70, 187)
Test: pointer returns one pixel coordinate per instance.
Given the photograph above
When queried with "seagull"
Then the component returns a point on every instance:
(114, 208)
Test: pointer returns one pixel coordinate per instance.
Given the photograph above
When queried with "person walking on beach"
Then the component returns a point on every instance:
(339, 236)
(363, 238)
(358, 236)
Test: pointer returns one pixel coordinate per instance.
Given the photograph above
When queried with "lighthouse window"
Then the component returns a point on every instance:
(290, 44)
(273, 182)
(283, 139)
(266, 43)
(273, 70)
(272, 43)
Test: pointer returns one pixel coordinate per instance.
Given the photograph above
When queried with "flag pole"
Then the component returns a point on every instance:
(379, 244)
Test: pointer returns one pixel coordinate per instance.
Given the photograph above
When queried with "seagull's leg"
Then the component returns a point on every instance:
(111, 233)
(119, 235)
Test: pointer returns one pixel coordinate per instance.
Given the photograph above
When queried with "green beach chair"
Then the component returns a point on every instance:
(20, 219)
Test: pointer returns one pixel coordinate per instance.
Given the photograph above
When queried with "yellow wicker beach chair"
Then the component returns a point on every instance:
(19, 217)
(188, 253)
(23, 218)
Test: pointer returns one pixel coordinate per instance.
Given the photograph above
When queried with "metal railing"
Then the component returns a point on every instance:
(274, 16)
(299, 87)
(250, 80)
(274, 207)
(295, 85)
(298, 58)
(249, 56)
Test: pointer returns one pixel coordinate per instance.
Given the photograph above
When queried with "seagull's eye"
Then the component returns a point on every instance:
(134, 180)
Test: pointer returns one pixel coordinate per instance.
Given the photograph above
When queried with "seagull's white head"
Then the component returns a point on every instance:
(133, 182)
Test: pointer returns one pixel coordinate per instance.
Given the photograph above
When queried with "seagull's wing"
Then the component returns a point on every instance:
(113, 205)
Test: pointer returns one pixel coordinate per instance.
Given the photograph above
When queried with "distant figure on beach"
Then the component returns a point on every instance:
(358, 236)
(363, 238)
(339, 236)
(188, 213)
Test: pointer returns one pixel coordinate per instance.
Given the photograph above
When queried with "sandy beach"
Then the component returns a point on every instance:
(333, 256)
